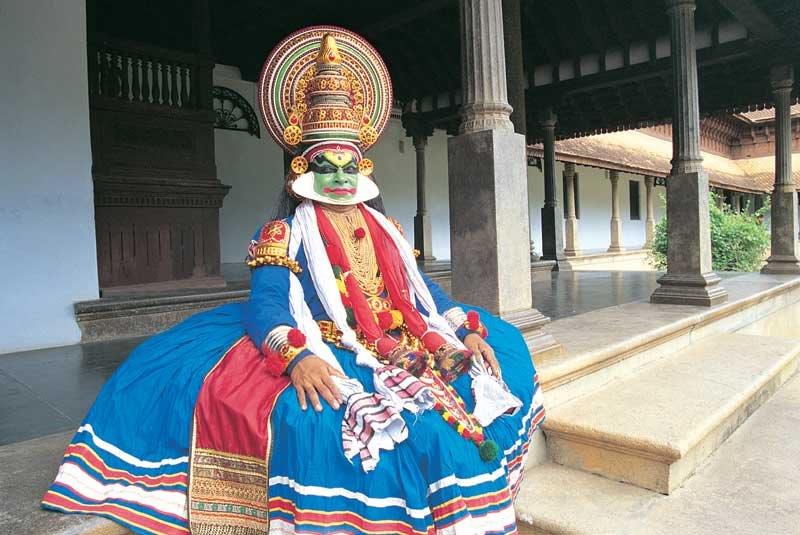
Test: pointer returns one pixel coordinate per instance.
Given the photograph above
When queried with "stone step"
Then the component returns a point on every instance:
(749, 486)
(655, 427)
(602, 346)
(134, 316)
(556, 500)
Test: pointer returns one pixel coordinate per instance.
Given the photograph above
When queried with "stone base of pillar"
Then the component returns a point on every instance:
(489, 232)
(784, 257)
(571, 241)
(782, 265)
(616, 237)
(552, 234)
(689, 289)
(530, 323)
(689, 279)
(422, 237)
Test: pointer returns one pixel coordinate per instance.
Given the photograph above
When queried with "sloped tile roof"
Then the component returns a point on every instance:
(636, 152)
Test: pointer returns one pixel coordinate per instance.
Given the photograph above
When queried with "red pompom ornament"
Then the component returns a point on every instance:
(296, 338)
(274, 364)
(385, 320)
(360, 233)
(473, 320)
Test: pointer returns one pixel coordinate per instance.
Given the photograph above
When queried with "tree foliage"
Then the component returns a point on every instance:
(739, 240)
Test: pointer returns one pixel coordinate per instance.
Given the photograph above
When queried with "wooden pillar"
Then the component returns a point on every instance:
(650, 219)
(201, 36)
(552, 217)
(736, 201)
(571, 237)
(422, 221)
(419, 131)
(616, 222)
(784, 251)
(690, 279)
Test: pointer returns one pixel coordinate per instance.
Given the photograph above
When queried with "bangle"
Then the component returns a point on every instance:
(280, 360)
(472, 325)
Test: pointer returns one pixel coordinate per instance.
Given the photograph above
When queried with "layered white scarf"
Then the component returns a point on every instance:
(492, 396)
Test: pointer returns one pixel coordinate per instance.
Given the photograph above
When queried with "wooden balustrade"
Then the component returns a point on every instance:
(132, 72)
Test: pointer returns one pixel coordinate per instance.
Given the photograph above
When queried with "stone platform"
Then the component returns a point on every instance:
(654, 428)
(750, 486)
(646, 395)
(630, 260)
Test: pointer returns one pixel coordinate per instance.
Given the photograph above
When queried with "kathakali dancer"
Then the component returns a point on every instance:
(350, 394)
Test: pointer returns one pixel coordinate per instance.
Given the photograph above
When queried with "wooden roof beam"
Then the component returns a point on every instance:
(543, 41)
(589, 26)
(752, 18)
(403, 18)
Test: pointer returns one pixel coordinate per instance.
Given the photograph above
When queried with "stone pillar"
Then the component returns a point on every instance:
(552, 216)
(720, 197)
(616, 222)
(515, 73)
(689, 279)
(422, 221)
(650, 219)
(784, 254)
(736, 202)
(487, 169)
(571, 239)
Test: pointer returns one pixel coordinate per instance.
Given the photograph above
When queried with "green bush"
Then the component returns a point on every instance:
(739, 240)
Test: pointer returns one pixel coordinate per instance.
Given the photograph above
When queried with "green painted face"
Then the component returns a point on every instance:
(335, 175)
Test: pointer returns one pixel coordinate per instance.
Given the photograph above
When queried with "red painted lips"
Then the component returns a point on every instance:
(340, 191)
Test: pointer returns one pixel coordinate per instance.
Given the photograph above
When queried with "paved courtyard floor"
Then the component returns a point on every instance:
(49, 390)
(751, 485)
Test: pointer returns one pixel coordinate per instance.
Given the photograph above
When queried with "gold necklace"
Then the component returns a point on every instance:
(360, 251)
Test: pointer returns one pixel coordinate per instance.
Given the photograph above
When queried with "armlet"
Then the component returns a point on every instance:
(272, 247)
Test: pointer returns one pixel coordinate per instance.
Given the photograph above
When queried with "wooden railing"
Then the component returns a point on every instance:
(132, 72)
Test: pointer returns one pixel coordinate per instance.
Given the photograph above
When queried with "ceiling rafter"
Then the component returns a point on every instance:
(614, 22)
(753, 18)
(588, 23)
(564, 36)
(545, 42)
(403, 18)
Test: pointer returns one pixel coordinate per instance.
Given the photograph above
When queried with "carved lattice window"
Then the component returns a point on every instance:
(233, 112)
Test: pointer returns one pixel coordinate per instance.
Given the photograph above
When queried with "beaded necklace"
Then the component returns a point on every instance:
(359, 249)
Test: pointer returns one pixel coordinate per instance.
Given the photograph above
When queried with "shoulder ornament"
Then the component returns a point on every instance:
(272, 247)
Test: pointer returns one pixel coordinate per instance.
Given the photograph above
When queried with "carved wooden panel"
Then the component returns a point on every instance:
(157, 196)
(136, 244)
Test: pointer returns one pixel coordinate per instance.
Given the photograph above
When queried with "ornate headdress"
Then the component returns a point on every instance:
(324, 88)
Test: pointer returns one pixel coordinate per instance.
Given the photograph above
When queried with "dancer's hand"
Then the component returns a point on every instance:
(480, 348)
(312, 377)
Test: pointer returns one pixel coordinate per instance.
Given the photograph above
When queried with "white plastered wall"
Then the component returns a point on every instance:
(46, 208)
(252, 166)
(594, 190)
